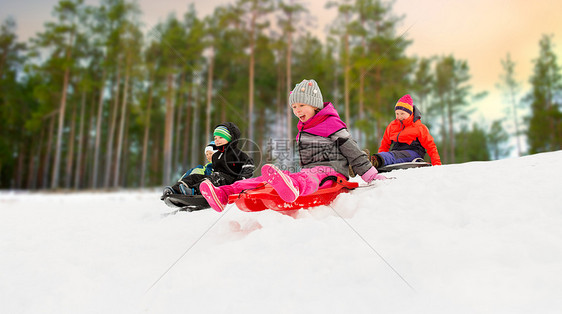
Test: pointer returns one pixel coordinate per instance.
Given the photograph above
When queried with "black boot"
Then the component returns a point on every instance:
(376, 161)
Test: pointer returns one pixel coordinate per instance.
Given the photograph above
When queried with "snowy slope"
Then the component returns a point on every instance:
(481, 237)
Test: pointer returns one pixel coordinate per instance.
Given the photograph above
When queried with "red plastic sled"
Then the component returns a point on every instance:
(265, 197)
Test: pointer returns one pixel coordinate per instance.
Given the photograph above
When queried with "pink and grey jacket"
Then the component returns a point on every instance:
(324, 141)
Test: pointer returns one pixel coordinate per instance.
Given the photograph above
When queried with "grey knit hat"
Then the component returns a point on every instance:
(307, 92)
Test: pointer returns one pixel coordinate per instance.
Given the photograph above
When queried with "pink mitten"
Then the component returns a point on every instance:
(372, 174)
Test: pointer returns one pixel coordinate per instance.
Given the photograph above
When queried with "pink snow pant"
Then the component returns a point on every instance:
(307, 181)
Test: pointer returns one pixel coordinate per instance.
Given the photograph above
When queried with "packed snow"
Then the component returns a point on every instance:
(479, 237)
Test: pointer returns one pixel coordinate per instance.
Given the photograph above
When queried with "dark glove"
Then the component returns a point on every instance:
(193, 180)
(217, 179)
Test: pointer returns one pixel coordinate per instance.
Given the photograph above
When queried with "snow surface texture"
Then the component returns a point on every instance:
(480, 237)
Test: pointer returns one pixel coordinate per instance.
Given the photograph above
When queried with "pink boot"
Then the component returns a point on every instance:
(282, 183)
(214, 196)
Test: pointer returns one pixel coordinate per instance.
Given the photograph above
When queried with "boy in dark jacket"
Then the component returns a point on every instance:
(229, 163)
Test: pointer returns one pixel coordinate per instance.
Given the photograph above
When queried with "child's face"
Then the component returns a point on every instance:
(219, 141)
(209, 155)
(303, 111)
(401, 115)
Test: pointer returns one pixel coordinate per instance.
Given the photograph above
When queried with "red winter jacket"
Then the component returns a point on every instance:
(410, 134)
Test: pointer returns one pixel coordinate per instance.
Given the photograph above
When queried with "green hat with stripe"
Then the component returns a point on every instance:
(223, 132)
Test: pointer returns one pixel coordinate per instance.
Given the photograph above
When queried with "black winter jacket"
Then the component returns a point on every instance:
(229, 162)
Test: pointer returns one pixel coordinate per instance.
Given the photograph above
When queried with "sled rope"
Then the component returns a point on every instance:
(227, 208)
(374, 250)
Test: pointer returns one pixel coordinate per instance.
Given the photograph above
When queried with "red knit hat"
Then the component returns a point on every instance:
(405, 103)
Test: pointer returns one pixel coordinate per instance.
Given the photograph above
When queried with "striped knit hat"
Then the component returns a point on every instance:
(307, 92)
(223, 132)
(405, 104)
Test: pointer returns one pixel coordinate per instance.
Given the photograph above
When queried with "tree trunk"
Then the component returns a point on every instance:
(186, 129)
(515, 120)
(87, 156)
(280, 97)
(70, 153)
(34, 157)
(347, 69)
(362, 75)
(112, 125)
(58, 148)
(251, 76)
(79, 156)
(378, 105)
(288, 79)
(176, 158)
(209, 93)
(125, 165)
(122, 124)
(97, 144)
(195, 147)
(223, 111)
(157, 148)
(47, 159)
(19, 168)
(146, 136)
(451, 134)
(168, 130)
(444, 138)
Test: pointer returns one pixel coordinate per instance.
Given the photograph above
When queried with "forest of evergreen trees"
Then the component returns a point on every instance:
(93, 102)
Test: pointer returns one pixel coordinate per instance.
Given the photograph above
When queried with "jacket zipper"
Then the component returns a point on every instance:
(398, 135)
(299, 140)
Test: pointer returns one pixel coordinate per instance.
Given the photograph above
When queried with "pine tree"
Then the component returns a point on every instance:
(423, 81)
(292, 13)
(16, 103)
(378, 49)
(61, 37)
(150, 61)
(510, 87)
(253, 14)
(132, 43)
(545, 123)
(342, 28)
(451, 92)
(497, 141)
(471, 143)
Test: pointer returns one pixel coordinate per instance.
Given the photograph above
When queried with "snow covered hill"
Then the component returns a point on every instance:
(480, 237)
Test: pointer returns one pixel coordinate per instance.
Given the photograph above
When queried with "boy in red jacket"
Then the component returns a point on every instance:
(405, 138)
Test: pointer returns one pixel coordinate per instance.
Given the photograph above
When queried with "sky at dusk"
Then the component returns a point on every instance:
(481, 32)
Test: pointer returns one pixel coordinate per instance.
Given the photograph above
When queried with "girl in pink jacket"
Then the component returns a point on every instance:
(325, 149)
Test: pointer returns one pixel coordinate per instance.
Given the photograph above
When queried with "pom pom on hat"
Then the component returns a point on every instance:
(405, 103)
(307, 92)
